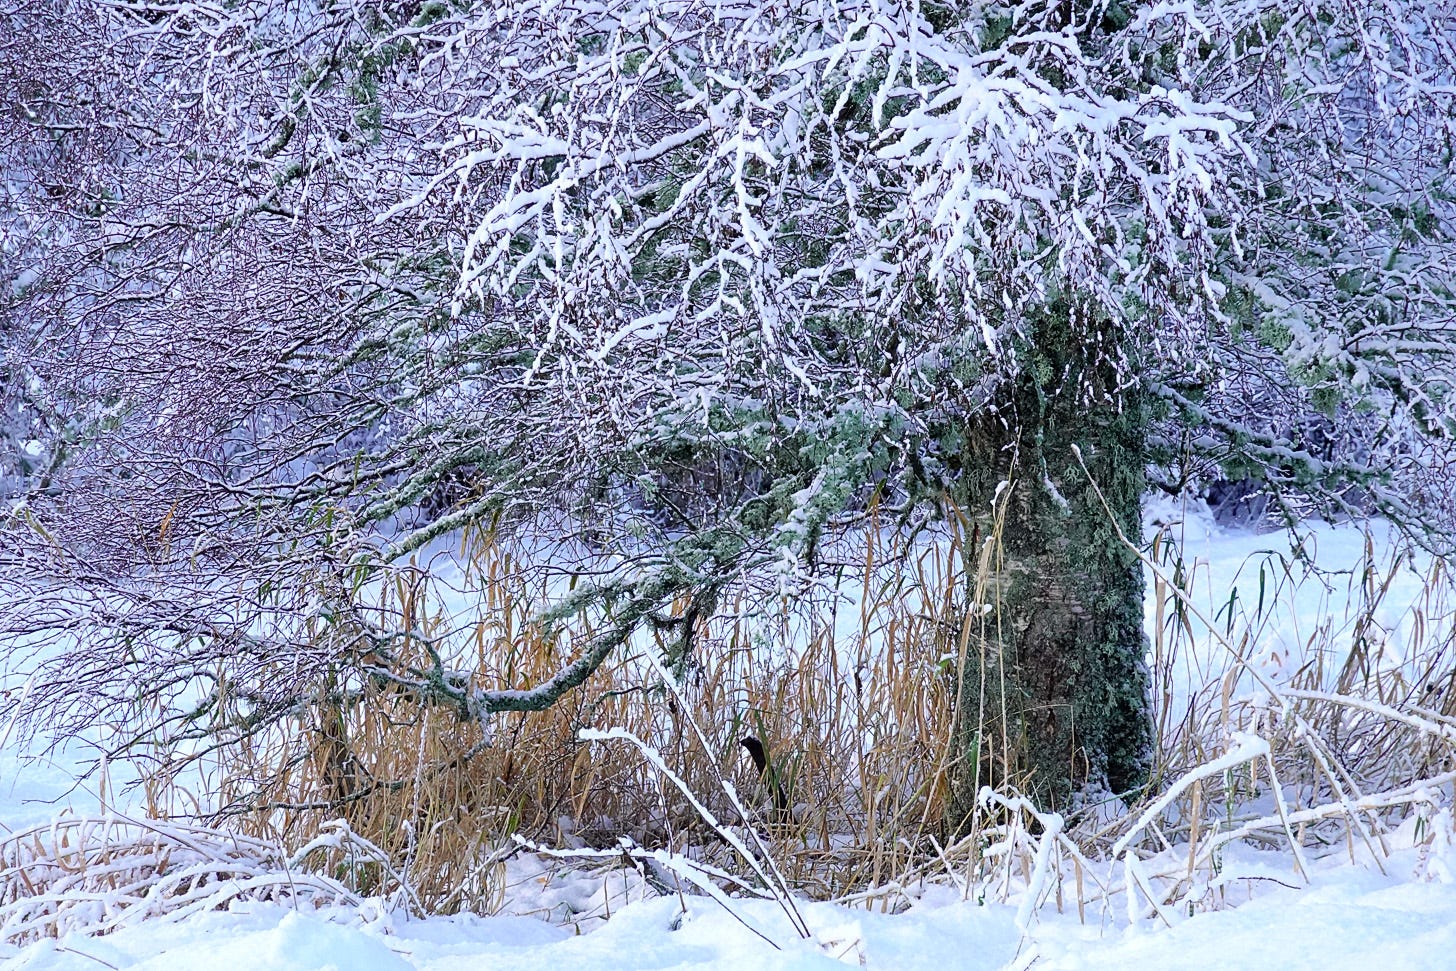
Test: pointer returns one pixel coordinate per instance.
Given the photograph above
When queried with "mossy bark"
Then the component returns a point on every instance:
(1054, 692)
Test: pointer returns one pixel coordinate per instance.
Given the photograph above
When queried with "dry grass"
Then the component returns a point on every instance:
(858, 729)
(855, 703)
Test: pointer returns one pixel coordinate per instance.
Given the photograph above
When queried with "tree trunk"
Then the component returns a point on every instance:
(1054, 691)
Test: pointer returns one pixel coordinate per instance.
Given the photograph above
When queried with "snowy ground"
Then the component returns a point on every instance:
(1353, 912)
(1349, 916)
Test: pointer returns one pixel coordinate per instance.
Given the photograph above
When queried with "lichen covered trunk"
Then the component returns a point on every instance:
(1054, 682)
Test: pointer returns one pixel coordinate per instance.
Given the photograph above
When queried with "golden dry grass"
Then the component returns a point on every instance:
(859, 735)
(858, 718)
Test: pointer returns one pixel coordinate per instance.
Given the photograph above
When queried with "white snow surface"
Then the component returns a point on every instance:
(1354, 912)
(1350, 916)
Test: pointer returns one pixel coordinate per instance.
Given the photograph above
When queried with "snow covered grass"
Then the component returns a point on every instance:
(1308, 756)
(1340, 663)
(1347, 917)
(99, 874)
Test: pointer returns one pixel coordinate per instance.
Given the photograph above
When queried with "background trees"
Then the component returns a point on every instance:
(294, 294)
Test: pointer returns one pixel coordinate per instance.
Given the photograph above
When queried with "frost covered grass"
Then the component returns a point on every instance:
(1306, 726)
(1337, 660)
(1347, 917)
(99, 874)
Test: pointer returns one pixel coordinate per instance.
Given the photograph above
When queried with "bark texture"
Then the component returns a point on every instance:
(1054, 692)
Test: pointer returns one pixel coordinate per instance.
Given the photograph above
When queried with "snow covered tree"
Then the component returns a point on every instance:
(696, 281)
